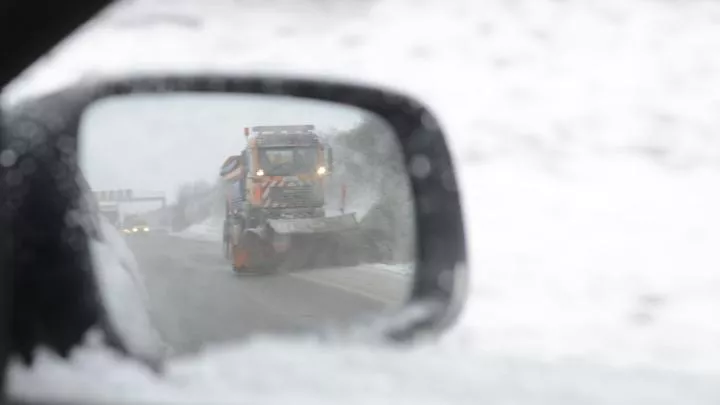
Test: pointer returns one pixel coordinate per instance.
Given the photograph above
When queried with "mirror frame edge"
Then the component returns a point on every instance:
(441, 269)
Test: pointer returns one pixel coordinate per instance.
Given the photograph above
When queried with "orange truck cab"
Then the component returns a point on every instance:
(279, 179)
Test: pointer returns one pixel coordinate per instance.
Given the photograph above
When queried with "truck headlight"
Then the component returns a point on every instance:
(260, 172)
(321, 170)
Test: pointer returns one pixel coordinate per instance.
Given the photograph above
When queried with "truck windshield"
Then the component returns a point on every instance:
(288, 160)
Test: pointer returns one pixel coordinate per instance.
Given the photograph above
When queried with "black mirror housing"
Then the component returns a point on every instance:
(438, 285)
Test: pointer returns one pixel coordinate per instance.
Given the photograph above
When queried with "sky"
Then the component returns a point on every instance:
(156, 142)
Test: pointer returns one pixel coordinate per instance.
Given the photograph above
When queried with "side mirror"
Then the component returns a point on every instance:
(410, 278)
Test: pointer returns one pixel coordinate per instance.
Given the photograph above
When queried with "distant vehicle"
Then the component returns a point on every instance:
(136, 225)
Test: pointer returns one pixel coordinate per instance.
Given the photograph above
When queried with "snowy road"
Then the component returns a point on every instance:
(195, 299)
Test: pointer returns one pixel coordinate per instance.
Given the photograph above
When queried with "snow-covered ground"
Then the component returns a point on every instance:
(356, 374)
(610, 259)
(586, 137)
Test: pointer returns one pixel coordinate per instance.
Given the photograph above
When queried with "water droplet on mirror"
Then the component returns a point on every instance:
(66, 144)
(273, 86)
(14, 178)
(28, 166)
(8, 158)
(445, 280)
(420, 166)
(429, 122)
(448, 181)
(426, 205)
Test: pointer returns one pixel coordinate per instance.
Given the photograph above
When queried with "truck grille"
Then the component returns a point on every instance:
(301, 196)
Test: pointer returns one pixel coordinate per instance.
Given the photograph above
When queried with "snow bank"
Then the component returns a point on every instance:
(353, 374)
(92, 375)
(609, 260)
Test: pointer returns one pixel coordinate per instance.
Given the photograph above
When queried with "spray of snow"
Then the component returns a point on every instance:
(123, 290)
(209, 230)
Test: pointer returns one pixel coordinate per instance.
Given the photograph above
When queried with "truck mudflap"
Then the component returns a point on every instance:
(299, 226)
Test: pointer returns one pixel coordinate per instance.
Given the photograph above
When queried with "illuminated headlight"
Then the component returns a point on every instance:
(126, 230)
(321, 170)
(135, 229)
(260, 172)
(146, 229)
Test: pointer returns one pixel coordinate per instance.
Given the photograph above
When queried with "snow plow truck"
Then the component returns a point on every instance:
(275, 204)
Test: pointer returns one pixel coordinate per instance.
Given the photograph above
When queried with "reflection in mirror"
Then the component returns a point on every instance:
(246, 214)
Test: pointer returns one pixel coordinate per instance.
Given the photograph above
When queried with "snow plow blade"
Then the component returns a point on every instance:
(304, 243)
(340, 223)
(311, 243)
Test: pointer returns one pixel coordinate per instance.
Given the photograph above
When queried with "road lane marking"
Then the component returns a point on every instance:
(344, 288)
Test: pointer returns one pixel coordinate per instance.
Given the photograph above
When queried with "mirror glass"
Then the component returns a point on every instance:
(235, 214)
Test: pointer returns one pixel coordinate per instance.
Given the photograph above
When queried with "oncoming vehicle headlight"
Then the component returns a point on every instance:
(321, 170)
(135, 229)
(260, 172)
(146, 229)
